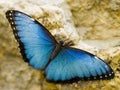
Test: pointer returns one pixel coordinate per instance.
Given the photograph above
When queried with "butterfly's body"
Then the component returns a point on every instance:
(60, 61)
(57, 49)
(59, 46)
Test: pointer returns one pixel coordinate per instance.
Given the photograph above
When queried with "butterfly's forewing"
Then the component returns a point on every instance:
(73, 63)
(36, 42)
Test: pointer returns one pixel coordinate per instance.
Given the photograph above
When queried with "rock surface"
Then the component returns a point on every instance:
(96, 26)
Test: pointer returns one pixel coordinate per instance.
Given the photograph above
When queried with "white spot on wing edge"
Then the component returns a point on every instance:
(10, 14)
(10, 18)
(94, 77)
(12, 23)
(14, 28)
(32, 19)
(100, 76)
(106, 76)
(110, 74)
(96, 57)
(11, 11)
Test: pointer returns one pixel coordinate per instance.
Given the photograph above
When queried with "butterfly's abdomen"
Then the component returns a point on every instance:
(55, 52)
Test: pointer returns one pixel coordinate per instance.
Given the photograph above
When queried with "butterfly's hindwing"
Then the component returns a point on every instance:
(73, 63)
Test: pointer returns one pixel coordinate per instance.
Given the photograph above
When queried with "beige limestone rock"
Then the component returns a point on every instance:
(96, 30)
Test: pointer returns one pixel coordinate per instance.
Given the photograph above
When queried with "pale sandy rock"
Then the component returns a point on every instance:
(100, 19)
(94, 19)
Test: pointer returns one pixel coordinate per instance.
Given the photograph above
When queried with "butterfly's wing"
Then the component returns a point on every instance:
(36, 42)
(72, 63)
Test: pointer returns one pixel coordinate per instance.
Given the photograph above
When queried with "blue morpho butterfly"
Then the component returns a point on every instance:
(60, 61)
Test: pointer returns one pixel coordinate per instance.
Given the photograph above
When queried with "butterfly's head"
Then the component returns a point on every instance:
(66, 43)
(63, 41)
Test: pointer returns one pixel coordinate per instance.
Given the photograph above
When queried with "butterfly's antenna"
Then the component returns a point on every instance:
(68, 37)
(101, 19)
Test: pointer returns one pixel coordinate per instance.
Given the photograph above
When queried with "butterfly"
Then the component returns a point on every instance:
(58, 59)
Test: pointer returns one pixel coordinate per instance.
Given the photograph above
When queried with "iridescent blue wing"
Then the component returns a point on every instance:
(72, 63)
(36, 42)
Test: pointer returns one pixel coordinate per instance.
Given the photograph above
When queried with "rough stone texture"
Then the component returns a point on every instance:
(97, 24)
(97, 17)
